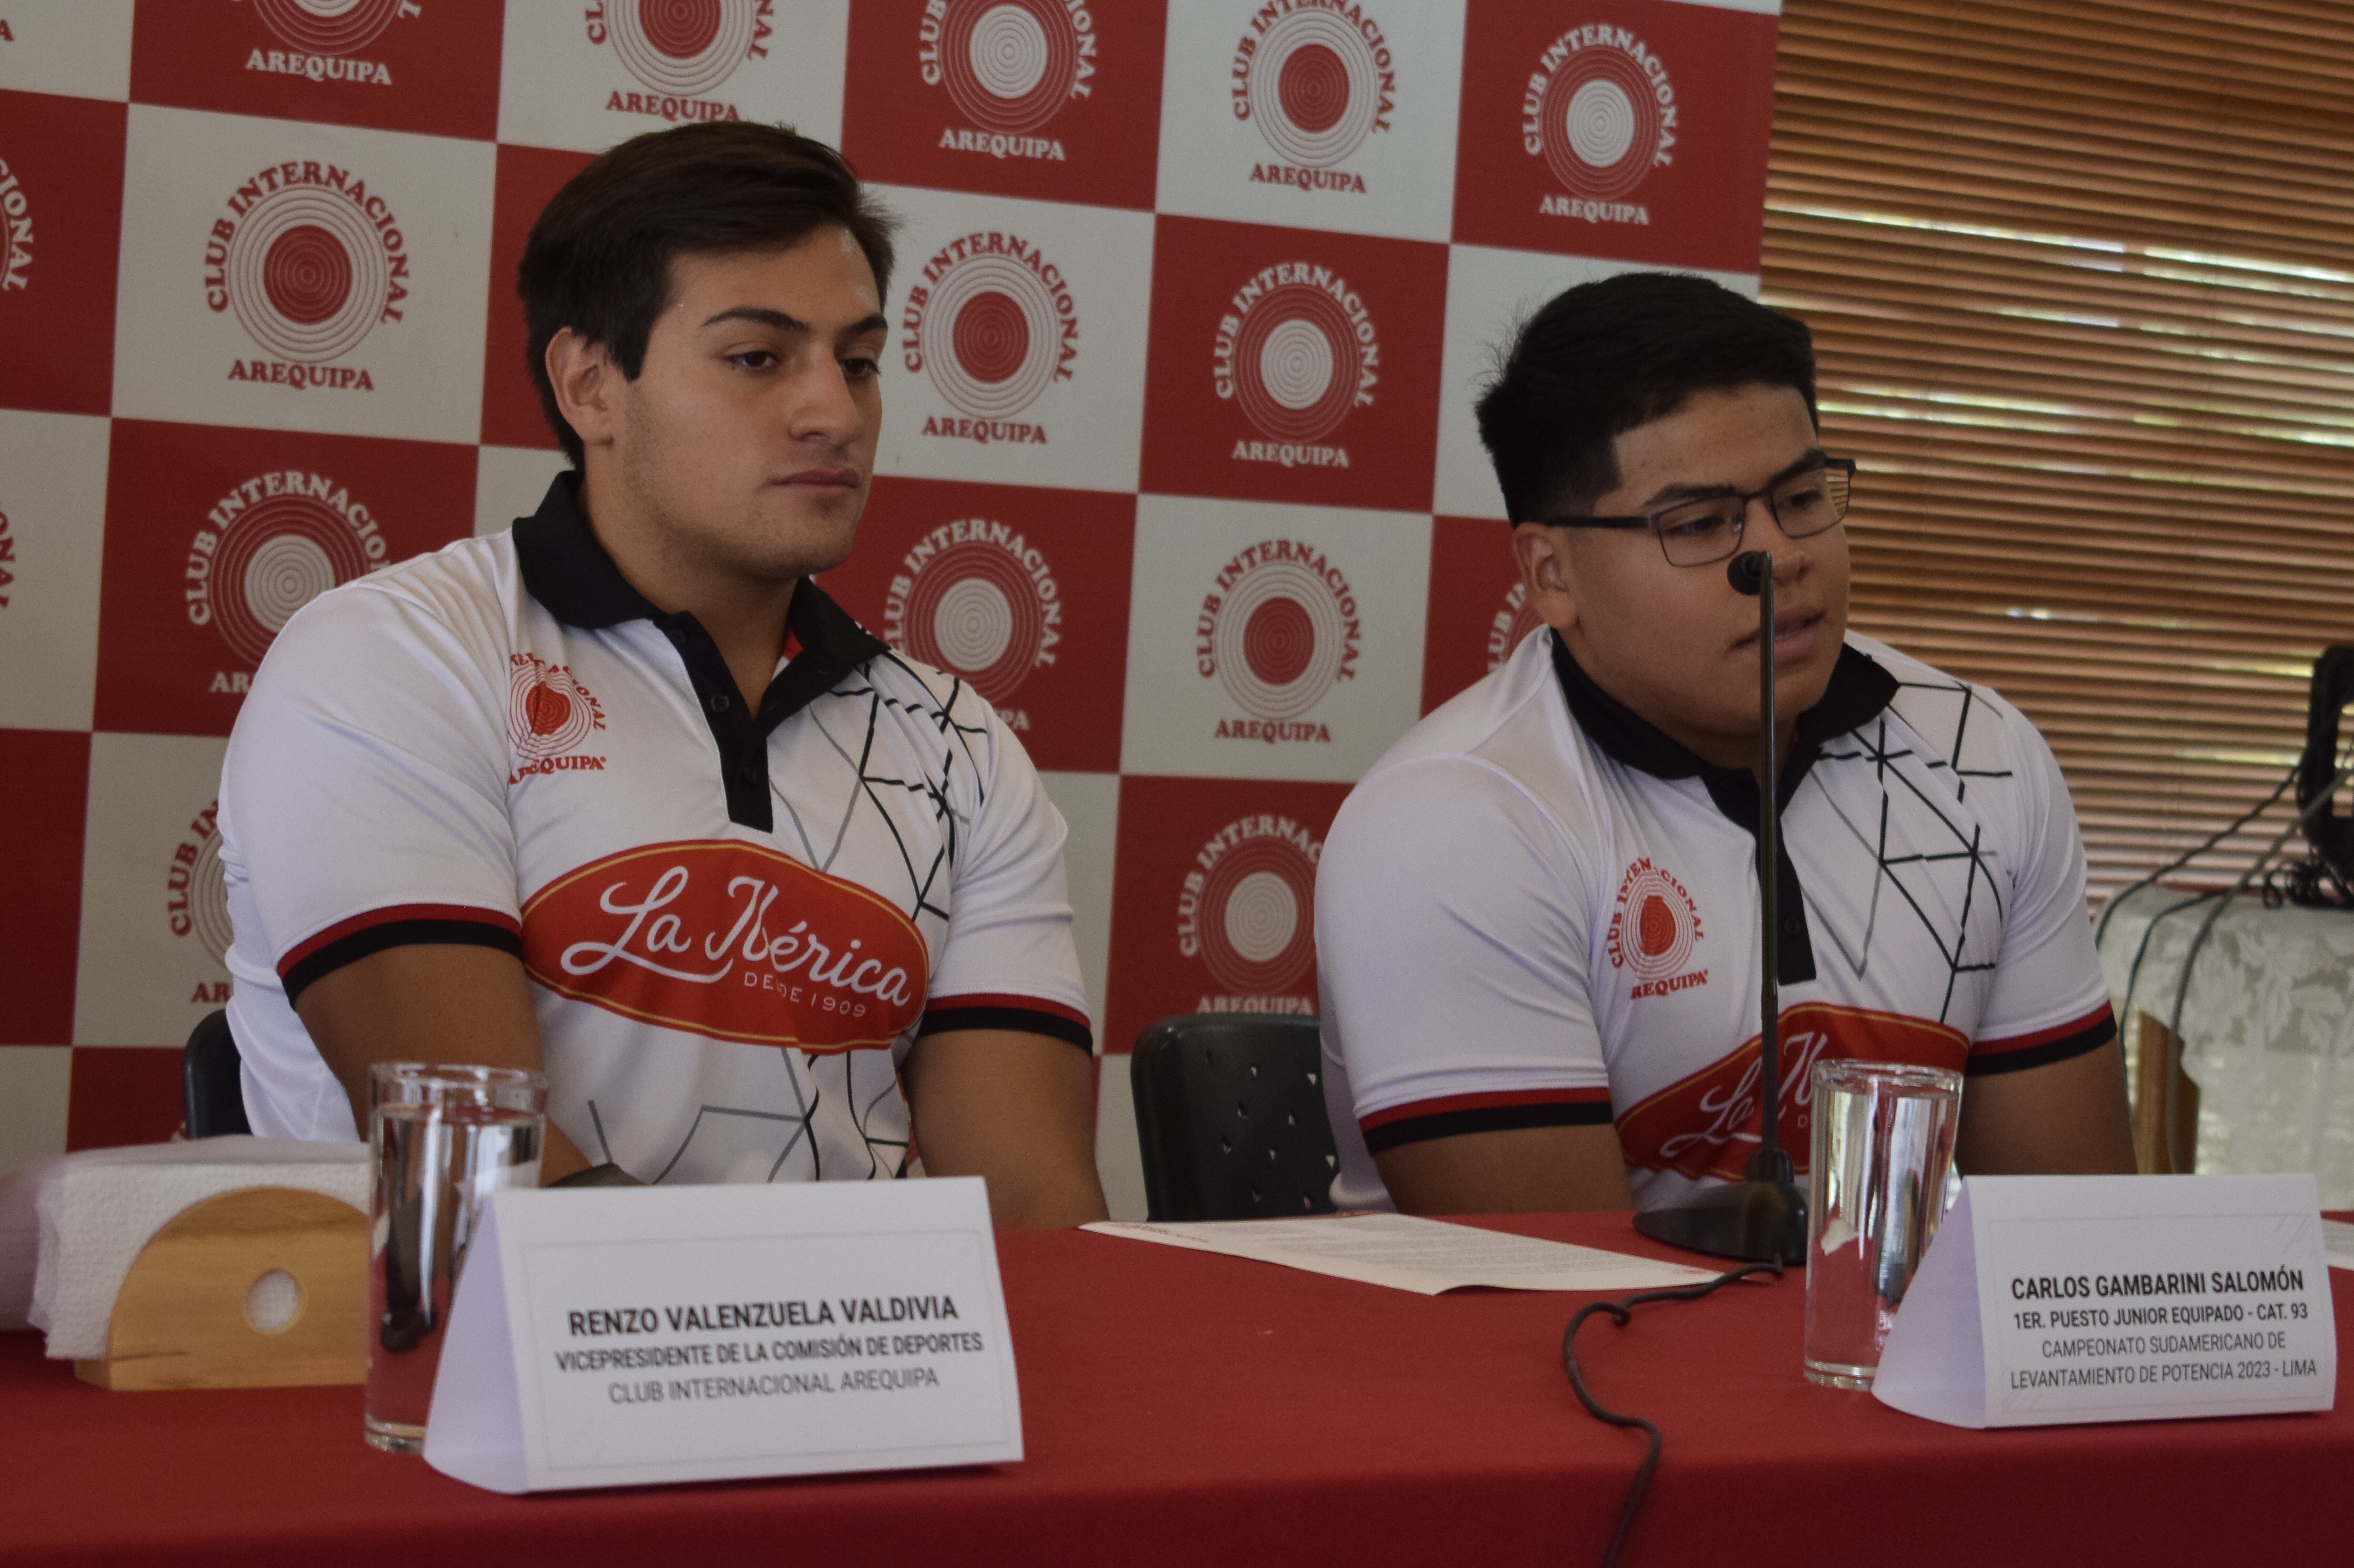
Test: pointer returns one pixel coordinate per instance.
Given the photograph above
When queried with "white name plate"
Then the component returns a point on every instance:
(2047, 1300)
(608, 1337)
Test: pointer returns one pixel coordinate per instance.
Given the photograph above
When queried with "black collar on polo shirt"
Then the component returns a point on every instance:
(569, 572)
(1858, 690)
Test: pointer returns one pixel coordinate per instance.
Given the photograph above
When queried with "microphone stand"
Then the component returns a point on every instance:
(1764, 1217)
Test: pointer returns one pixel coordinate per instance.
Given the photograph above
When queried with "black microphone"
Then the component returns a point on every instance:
(1764, 1218)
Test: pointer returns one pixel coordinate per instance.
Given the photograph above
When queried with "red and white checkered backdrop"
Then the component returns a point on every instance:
(1179, 465)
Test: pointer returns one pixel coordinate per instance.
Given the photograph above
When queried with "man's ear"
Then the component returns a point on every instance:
(587, 384)
(1544, 554)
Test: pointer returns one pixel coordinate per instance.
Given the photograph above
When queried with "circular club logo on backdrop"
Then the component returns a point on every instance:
(310, 262)
(976, 599)
(1279, 629)
(327, 26)
(549, 714)
(1008, 64)
(1601, 111)
(1248, 906)
(994, 325)
(1654, 925)
(681, 47)
(271, 545)
(197, 887)
(1296, 350)
(1316, 83)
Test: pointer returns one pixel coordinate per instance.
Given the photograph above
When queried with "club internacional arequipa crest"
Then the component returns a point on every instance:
(1315, 81)
(324, 38)
(274, 543)
(680, 51)
(977, 599)
(310, 258)
(1296, 350)
(551, 717)
(1654, 925)
(1278, 628)
(730, 940)
(1600, 110)
(1244, 911)
(1007, 67)
(991, 321)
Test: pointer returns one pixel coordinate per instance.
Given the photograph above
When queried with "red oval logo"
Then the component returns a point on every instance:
(730, 940)
(1710, 1123)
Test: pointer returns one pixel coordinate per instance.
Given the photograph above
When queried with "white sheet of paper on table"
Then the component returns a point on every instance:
(1405, 1253)
(2338, 1243)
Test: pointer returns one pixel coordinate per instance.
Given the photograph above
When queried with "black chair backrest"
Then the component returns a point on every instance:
(1230, 1116)
(210, 1094)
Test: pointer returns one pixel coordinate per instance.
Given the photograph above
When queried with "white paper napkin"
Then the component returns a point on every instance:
(70, 1227)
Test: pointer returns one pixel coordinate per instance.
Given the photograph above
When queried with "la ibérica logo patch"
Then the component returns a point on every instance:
(730, 941)
(1708, 1123)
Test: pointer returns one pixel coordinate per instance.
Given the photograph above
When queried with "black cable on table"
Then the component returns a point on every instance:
(1622, 1311)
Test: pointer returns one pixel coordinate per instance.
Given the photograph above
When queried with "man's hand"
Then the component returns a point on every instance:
(1524, 1170)
(2066, 1118)
(430, 1003)
(1016, 1108)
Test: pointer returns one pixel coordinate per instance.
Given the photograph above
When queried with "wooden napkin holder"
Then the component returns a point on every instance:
(264, 1287)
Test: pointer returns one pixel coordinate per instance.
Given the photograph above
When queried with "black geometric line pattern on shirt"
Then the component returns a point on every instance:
(805, 1118)
(1873, 747)
(887, 1157)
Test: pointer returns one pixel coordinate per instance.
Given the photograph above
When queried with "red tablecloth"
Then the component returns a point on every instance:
(1187, 1409)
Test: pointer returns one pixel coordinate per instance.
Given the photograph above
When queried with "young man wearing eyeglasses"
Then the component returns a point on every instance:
(1537, 914)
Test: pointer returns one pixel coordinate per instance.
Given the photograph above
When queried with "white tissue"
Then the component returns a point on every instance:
(95, 1210)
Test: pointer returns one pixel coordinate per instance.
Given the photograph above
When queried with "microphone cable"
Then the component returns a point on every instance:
(1622, 1311)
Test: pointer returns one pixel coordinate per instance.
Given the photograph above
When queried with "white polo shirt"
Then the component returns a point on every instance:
(736, 923)
(1536, 909)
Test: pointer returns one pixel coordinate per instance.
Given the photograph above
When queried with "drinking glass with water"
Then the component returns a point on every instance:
(441, 1139)
(1883, 1145)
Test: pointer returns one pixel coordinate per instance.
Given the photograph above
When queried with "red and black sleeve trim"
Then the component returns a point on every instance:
(2057, 1043)
(1457, 1114)
(398, 925)
(1027, 1014)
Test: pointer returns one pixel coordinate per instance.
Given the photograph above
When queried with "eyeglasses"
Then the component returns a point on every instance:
(1699, 532)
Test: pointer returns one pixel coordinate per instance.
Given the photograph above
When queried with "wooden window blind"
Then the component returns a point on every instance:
(2081, 277)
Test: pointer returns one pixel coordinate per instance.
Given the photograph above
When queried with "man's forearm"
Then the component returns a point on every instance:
(428, 1002)
(1017, 1109)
